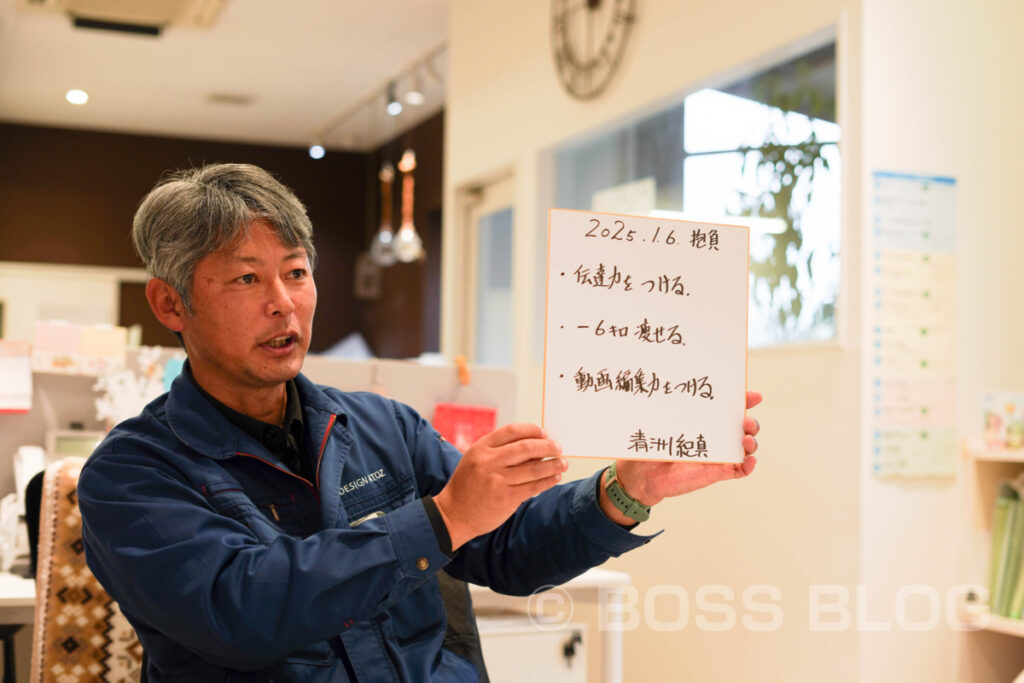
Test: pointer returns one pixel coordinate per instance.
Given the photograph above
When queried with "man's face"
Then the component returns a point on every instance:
(252, 315)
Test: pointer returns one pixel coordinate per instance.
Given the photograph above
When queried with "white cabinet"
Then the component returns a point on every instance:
(604, 587)
(516, 650)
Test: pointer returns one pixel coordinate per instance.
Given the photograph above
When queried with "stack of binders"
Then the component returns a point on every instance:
(1006, 568)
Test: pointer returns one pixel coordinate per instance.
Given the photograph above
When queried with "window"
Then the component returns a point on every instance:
(764, 148)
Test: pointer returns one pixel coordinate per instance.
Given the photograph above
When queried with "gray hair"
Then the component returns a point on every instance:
(193, 213)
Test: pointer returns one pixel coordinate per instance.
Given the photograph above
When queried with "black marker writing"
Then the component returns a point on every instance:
(641, 382)
(601, 276)
(618, 231)
(679, 446)
(644, 331)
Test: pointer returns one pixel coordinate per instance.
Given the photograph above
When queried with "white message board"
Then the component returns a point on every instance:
(646, 338)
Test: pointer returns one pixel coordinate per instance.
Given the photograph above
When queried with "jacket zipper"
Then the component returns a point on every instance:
(323, 446)
(307, 482)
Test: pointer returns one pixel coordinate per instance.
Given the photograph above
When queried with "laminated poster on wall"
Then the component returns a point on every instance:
(646, 337)
(911, 326)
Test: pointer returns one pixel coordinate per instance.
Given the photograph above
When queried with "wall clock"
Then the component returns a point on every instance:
(588, 39)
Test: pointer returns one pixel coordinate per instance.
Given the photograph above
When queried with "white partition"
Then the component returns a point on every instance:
(60, 400)
(418, 385)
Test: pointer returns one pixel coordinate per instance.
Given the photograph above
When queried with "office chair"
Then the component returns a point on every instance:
(80, 634)
(462, 636)
(33, 501)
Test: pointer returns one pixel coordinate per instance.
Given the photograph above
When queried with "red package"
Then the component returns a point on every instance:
(463, 424)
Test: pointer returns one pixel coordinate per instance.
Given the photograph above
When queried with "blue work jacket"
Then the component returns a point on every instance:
(231, 568)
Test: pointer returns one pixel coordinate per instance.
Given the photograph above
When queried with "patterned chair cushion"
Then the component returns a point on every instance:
(80, 634)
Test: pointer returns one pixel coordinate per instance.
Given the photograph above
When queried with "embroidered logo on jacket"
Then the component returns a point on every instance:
(362, 481)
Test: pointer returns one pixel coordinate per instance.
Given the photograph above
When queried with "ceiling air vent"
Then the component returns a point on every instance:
(135, 16)
(231, 99)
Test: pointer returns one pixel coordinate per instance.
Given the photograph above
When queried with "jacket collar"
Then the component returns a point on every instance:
(199, 425)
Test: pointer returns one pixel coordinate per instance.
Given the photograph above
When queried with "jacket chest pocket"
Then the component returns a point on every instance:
(267, 514)
(293, 515)
(382, 495)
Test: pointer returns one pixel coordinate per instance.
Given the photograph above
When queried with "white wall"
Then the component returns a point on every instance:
(942, 96)
(926, 87)
(795, 522)
(45, 291)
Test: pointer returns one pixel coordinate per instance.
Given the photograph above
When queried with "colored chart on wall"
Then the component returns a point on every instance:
(911, 355)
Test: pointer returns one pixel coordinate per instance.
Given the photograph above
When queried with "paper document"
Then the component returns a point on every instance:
(646, 337)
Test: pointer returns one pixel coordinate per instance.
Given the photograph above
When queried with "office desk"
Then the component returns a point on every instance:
(17, 608)
(18, 604)
(602, 586)
(17, 599)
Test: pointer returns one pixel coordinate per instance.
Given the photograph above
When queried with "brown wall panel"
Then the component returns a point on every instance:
(405, 320)
(68, 196)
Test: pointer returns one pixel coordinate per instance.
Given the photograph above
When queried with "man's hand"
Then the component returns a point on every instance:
(652, 481)
(495, 475)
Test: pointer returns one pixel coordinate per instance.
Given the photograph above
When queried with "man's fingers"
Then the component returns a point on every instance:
(511, 433)
(749, 445)
(748, 465)
(753, 398)
(532, 488)
(751, 426)
(513, 454)
(535, 470)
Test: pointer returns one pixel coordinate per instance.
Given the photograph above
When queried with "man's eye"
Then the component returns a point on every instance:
(247, 279)
(299, 273)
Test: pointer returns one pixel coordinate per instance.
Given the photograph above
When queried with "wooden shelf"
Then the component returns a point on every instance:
(997, 624)
(1011, 627)
(997, 658)
(985, 467)
(995, 454)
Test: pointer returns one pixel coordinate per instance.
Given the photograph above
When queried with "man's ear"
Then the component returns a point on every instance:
(166, 304)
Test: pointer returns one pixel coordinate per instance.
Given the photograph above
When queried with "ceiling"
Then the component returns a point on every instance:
(264, 71)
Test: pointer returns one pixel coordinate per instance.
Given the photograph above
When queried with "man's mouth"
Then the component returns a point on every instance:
(279, 342)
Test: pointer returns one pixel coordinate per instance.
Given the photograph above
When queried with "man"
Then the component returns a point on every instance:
(220, 520)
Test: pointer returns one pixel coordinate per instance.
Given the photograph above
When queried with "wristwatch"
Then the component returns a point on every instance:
(627, 504)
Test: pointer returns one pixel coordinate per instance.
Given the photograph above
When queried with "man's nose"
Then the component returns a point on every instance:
(279, 303)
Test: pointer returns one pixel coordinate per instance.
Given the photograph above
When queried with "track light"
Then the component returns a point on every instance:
(419, 83)
(316, 151)
(394, 106)
(415, 96)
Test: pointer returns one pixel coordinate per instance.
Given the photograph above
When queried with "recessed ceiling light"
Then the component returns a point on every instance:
(76, 96)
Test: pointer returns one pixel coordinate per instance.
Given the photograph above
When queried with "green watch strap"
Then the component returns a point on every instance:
(626, 503)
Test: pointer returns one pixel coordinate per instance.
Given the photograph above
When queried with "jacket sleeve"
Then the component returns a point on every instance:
(205, 580)
(550, 539)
